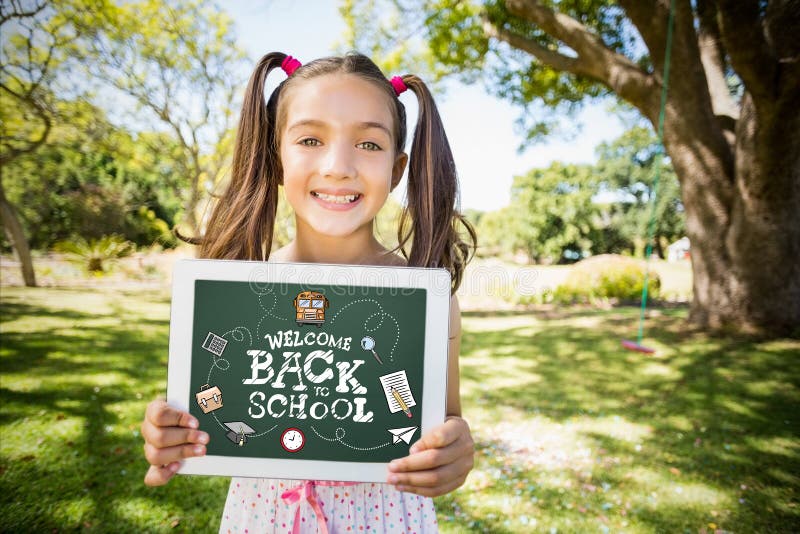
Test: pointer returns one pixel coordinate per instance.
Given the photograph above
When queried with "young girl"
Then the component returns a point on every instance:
(333, 134)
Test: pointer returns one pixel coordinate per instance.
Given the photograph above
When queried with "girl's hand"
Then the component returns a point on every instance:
(439, 462)
(169, 436)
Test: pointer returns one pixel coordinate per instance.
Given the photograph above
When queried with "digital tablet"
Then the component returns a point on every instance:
(307, 371)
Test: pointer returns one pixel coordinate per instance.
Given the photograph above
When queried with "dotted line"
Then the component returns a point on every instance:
(261, 304)
(356, 302)
(378, 313)
(396, 337)
(265, 433)
(265, 292)
(381, 313)
(397, 329)
(328, 439)
(340, 433)
(236, 330)
(268, 312)
(225, 428)
(217, 364)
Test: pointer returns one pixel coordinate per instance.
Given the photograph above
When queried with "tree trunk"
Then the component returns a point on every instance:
(190, 206)
(746, 240)
(16, 236)
(764, 237)
(741, 204)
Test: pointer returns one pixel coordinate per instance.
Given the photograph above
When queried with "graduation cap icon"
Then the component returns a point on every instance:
(239, 431)
(403, 434)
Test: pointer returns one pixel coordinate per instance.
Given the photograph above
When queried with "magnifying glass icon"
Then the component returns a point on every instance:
(367, 343)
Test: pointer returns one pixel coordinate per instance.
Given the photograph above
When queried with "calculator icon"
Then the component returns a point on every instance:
(214, 344)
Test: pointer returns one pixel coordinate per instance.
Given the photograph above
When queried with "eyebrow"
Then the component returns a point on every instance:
(365, 125)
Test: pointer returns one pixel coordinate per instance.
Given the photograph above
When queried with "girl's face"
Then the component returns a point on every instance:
(337, 152)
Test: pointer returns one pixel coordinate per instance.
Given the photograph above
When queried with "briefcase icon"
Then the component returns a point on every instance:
(209, 398)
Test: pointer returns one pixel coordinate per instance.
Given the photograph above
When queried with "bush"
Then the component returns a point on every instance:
(95, 254)
(606, 278)
(146, 228)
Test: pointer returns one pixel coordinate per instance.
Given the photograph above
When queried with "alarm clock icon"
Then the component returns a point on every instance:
(293, 439)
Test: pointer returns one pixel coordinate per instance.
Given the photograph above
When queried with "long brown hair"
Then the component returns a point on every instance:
(242, 221)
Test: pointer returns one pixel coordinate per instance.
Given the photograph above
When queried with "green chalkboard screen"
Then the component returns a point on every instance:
(307, 370)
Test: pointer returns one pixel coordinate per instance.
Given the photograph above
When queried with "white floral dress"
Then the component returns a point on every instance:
(260, 505)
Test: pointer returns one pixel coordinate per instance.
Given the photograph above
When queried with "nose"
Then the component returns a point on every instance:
(339, 162)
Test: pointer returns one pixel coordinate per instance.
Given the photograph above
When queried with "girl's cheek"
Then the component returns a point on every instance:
(377, 166)
(297, 164)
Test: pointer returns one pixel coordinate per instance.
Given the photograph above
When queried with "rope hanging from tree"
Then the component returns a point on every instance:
(659, 158)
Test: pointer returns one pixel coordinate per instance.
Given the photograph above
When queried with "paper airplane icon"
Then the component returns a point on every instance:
(403, 434)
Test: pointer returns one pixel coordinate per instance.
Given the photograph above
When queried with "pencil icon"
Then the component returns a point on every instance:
(401, 402)
(398, 392)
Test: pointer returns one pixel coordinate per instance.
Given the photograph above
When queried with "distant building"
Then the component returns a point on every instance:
(679, 250)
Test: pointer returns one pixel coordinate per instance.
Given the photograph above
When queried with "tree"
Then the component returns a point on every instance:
(626, 168)
(732, 130)
(92, 179)
(180, 64)
(27, 109)
(37, 48)
(552, 213)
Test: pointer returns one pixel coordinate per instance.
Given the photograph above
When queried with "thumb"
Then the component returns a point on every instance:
(440, 436)
(432, 440)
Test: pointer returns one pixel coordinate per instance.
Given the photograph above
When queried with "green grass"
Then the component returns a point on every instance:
(572, 432)
(79, 368)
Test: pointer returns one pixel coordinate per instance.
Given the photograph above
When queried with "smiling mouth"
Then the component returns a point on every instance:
(337, 199)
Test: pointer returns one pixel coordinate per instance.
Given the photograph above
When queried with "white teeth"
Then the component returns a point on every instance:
(344, 199)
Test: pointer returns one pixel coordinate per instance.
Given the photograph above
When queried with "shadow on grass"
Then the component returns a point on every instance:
(719, 413)
(83, 483)
(715, 416)
(74, 391)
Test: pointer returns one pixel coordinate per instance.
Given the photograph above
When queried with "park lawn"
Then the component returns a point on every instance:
(573, 434)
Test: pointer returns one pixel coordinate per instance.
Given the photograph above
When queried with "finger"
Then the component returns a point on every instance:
(441, 436)
(161, 437)
(457, 469)
(159, 413)
(426, 460)
(160, 475)
(162, 456)
(427, 479)
(432, 458)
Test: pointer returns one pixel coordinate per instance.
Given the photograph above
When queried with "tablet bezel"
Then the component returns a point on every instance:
(436, 282)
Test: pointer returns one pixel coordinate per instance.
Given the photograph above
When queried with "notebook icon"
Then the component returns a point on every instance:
(398, 392)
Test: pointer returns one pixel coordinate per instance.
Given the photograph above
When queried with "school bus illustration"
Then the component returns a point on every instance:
(310, 307)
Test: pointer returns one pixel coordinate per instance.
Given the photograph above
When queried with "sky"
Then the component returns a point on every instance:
(480, 127)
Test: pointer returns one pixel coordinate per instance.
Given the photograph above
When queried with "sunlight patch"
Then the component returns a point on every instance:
(657, 369)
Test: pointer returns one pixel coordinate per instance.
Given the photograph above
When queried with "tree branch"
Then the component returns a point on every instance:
(781, 27)
(32, 145)
(594, 59)
(19, 12)
(545, 55)
(741, 26)
(712, 55)
(650, 19)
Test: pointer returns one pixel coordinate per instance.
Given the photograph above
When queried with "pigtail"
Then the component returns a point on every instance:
(242, 221)
(431, 218)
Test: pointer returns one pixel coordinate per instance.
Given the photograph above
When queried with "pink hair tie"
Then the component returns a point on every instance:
(398, 84)
(289, 65)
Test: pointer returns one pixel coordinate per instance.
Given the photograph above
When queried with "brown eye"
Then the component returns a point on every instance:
(369, 145)
(309, 141)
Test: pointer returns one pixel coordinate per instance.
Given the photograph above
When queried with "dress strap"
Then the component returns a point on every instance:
(305, 491)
